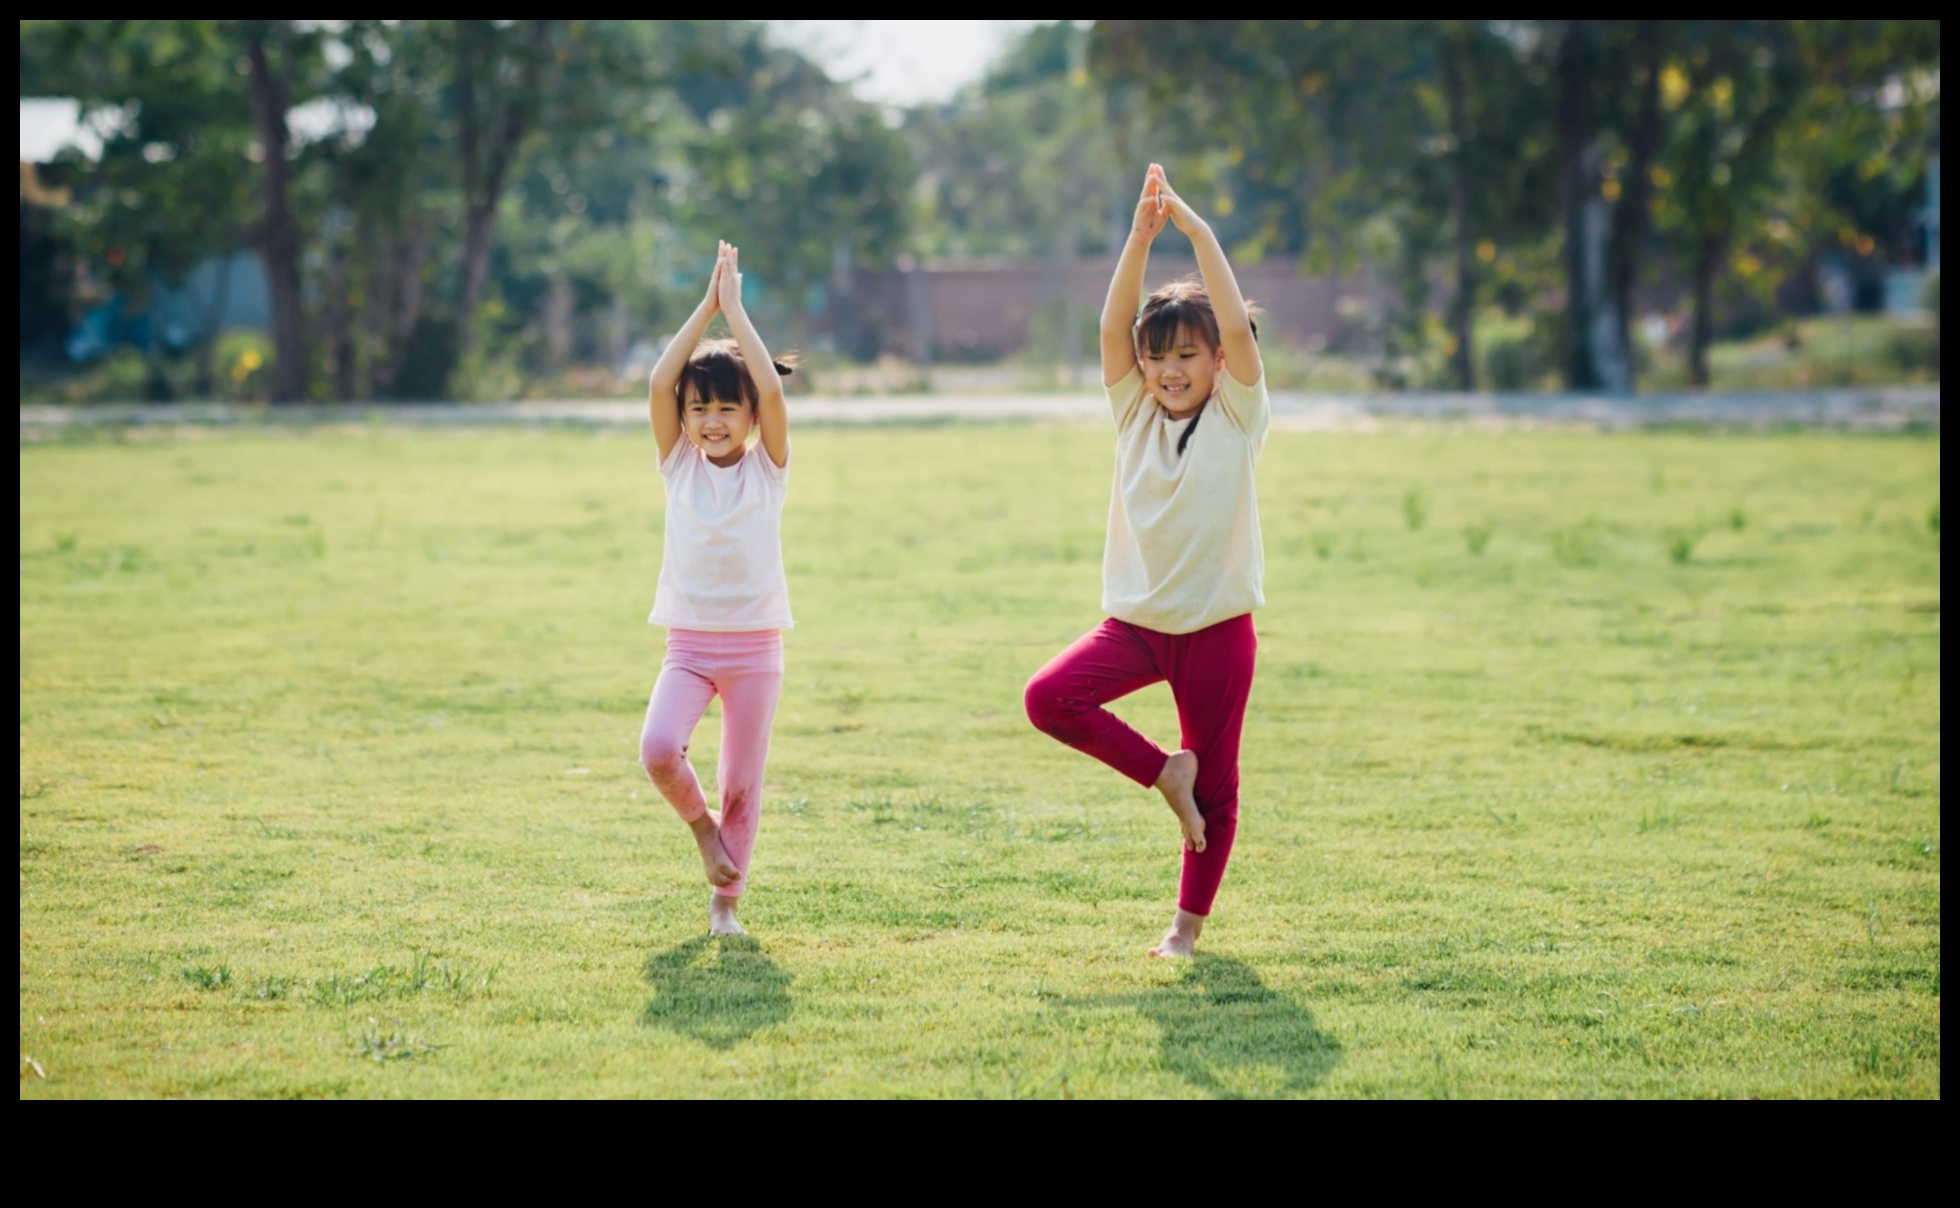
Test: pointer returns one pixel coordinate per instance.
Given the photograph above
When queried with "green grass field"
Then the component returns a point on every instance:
(1578, 765)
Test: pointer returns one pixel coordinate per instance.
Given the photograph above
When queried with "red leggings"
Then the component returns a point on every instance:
(1210, 674)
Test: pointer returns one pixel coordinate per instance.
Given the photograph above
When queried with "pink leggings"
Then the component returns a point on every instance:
(746, 669)
(1210, 674)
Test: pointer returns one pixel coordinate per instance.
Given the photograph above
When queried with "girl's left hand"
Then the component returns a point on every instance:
(729, 277)
(1182, 216)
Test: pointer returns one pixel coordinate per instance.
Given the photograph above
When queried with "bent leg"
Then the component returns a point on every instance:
(1211, 677)
(748, 711)
(679, 699)
(1064, 699)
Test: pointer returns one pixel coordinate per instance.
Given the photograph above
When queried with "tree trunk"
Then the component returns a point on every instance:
(1630, 210)
(1595, 327)
(1463, 305)
(559, 302)
(400, 293)
(1708, 261)
(208, 332)
(1579, 187)
(278, 238)
(486, 163)
(340, 326)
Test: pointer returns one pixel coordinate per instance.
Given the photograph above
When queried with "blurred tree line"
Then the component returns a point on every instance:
(468, 198)
(466, 194)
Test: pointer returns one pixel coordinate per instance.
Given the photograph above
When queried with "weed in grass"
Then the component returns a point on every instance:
(64, 541)
(1415, 509)
(1933, 517)
(422, 973)
(272, 987)
(1476, 537)
(1680, 544)
(202, 977)
(1579, 546)
(381, 1045)
(1655, 822)
(1738, 519)
(1323, 545)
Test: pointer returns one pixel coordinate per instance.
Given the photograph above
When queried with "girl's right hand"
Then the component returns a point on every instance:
(1151, 215)
(712, 302)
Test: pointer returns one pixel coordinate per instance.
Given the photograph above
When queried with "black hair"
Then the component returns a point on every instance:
(717, 374)
(1174, 310)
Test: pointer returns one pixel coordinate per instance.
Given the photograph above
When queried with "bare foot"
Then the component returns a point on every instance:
(1182, 937)
(721, 916)
(714, 857)
(1177, 782)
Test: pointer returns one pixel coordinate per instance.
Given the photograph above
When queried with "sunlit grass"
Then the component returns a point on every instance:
(327, 780)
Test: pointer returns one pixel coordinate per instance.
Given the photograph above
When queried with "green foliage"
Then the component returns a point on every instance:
(488, 199)
(1476, 537)
(1023, 163)
(477, 208)
(1515, 358)
(1554, 829)
(1415, 508)
(1681, 542)
(204, 977)
(1578, 546)
(1841, 350)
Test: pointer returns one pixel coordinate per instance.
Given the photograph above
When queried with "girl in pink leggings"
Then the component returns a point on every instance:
(722, 595)
(1183, 560)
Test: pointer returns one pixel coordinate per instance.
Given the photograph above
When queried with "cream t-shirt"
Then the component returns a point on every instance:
(1183, 550)
(722, 569)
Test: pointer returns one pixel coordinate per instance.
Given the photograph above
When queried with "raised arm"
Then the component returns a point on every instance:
(663, 405)
(1119, 316)
(772, 416)
(1227, 303)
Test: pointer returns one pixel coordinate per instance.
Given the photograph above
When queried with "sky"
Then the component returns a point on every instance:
(900, 62)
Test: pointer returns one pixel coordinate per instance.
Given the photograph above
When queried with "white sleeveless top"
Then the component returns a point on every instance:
(722, 568)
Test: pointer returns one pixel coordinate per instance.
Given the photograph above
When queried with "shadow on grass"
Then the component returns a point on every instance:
(718, 990)
(1230, 1035)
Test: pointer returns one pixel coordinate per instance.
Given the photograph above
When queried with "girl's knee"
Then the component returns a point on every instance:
(1046, 708)
(662, 757)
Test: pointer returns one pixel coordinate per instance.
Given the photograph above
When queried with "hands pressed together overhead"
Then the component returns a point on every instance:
(725, 282)
(1160, 204)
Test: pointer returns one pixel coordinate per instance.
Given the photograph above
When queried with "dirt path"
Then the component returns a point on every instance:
(1895, 407)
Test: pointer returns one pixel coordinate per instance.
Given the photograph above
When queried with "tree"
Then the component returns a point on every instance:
(170, 187)
(1716, 180)
(272, 55)
(789, 165)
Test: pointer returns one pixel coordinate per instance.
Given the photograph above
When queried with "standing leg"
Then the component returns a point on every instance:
(680, 697)
(1210, 672)
(748, 711)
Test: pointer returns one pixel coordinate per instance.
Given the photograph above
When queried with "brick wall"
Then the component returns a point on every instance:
(978, 310)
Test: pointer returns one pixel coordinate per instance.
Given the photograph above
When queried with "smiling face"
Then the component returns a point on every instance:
(719, 427)
(1181, 374)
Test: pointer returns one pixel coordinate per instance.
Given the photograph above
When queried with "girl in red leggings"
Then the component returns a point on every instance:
(1183, 559)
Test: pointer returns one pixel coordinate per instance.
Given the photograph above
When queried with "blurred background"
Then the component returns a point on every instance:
(366, 210)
